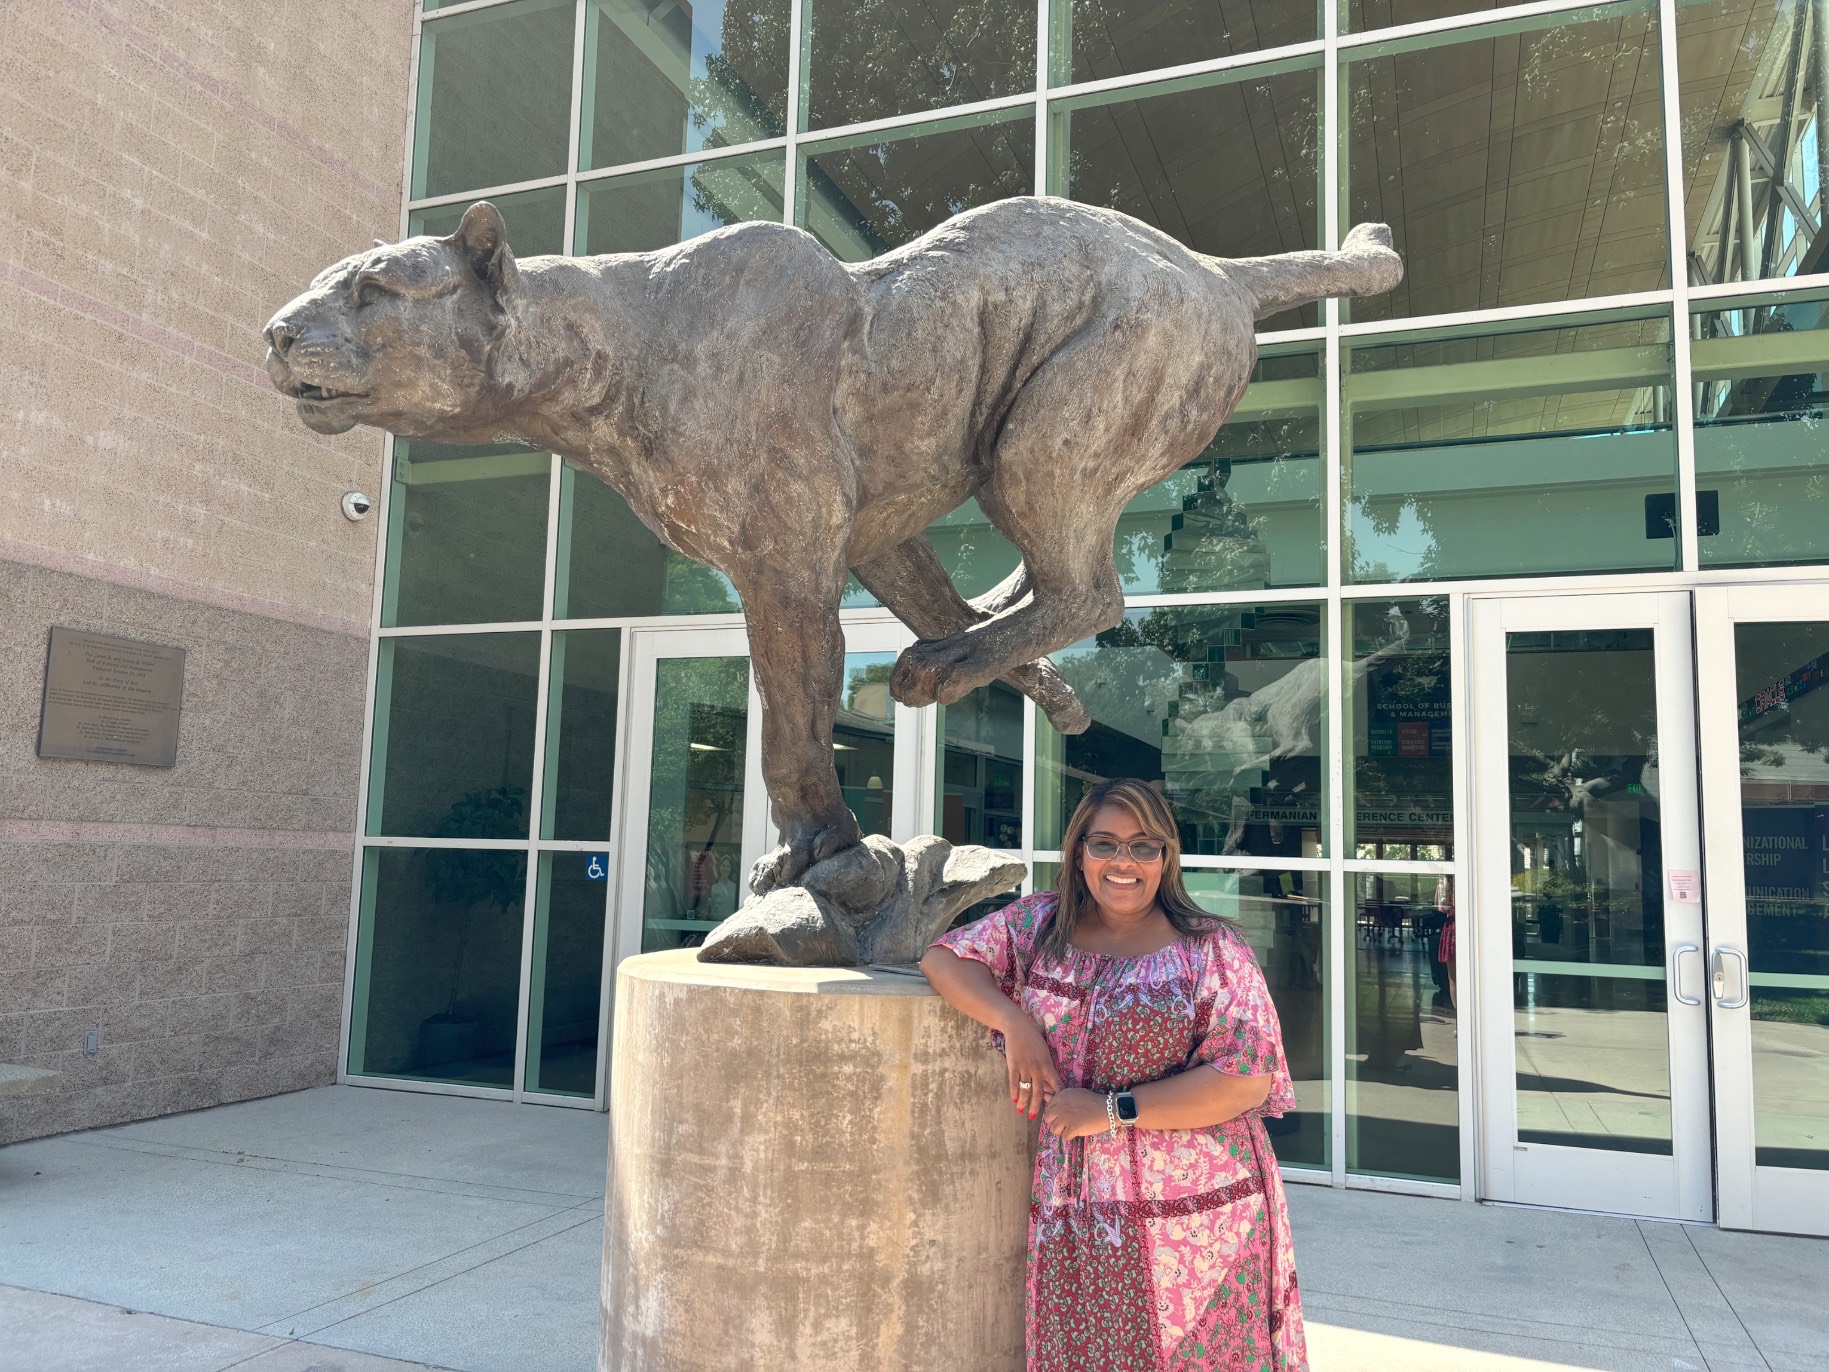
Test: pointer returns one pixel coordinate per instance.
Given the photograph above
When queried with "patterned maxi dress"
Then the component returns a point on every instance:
(1160, 1249)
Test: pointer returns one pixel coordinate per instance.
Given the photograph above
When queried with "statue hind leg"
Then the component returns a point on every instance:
(1074, 593)
(913, 586)
(1089, 431)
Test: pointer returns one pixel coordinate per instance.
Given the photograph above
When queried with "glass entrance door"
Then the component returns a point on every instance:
(1587, 916)
(1762, 679)
(696, 817)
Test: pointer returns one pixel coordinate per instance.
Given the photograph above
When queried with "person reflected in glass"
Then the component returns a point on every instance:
(1444, 944)
(1139, 1029)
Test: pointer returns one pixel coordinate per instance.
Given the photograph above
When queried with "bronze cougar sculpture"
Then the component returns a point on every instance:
(785, 418)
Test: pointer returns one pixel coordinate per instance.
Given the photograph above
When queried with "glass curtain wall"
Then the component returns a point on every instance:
(1606, 361)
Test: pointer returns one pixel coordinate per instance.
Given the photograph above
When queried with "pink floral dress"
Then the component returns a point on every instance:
(1159, 1249)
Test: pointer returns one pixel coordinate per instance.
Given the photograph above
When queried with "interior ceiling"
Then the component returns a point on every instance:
(1516, 169)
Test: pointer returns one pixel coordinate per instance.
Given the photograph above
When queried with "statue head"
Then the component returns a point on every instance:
(400, 336)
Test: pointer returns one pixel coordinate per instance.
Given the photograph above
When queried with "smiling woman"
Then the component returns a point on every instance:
(1140, 1030)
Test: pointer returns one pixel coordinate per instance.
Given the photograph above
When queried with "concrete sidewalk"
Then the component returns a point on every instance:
(349, 1230)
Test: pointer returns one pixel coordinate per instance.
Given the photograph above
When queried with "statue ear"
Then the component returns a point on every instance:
(482, 241)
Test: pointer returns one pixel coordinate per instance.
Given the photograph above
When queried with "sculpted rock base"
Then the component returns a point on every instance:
(878, 903)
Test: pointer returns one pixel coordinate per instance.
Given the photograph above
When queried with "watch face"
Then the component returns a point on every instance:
(1127, 1108)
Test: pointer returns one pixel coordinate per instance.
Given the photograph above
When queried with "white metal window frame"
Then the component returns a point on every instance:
(1331, 48)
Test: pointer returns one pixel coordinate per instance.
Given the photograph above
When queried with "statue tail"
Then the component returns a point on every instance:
(1366, 264)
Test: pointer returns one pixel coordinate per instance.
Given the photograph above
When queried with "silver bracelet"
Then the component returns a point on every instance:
(1111, 1113)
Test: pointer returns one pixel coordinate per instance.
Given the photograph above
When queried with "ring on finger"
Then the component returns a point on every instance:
(1024, 1085)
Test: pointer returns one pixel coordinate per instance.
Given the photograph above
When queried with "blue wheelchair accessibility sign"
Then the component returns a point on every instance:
(598, 868)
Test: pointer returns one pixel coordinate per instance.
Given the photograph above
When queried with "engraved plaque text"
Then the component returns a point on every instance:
(111, 699)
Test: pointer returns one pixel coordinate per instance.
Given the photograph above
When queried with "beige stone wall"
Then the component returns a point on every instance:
(171, 172)
(195, 917)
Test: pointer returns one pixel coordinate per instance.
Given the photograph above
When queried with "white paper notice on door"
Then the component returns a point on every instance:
(1685, 887)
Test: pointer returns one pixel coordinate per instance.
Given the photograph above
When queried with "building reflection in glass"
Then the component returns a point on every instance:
(1283, 916)
(1402, 1059)
(1223, 705)
(863, 740)
(980, 773)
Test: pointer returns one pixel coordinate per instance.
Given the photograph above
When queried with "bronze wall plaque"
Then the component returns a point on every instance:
(111, 699)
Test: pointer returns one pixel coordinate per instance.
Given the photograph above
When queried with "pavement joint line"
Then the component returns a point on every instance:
(1381, 1303)
(1752, 1345)
(1728, 1300)
(269, 1343)
(1531, 1330)
(119, 1137)
(366, 1176)
(383, 1304)
(361, 1294)
(1663, 1280)
(307, 1343)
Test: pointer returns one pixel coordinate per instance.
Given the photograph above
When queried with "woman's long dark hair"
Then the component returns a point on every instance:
(1152, 814)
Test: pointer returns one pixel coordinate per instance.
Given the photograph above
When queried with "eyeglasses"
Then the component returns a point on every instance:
(1140, 850)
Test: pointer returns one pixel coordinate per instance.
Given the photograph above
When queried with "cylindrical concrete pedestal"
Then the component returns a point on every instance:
(811, 1170)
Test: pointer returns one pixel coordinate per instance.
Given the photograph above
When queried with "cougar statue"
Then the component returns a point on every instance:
(787, 418)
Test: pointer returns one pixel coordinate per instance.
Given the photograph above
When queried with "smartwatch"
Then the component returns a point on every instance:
(1127, 1108)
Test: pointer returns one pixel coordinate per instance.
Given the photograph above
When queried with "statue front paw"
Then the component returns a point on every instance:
(934, 671)
(803, 846)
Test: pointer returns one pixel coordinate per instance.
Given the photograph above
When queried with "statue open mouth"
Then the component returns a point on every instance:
(301, 391)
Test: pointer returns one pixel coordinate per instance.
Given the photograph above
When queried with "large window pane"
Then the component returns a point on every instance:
(454, 728)
(1402, 1072)
(661, 79)
(696, 775)
(1283, 915)
(863, 740)
(1780, 670)
(974, 554)
(1520, 167)
(566, 991)
(870, 59)
(535, 219)
(657, 209)
(1226, 164)
(438, 965)
(1399, 712)
(1548, 449)
(466, 534)
(1094, 40)
(581, 712)
(1762, 476)
(1754, 99)
(979, 776)
(1248, 513)
(864, 197)
(1224, 705)
(610, 564)
(1588, 949)
(495, 97)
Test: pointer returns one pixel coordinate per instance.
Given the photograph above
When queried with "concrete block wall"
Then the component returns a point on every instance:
(197, 917)
(170, 174)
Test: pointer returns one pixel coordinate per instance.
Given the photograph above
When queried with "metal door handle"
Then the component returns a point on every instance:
(1676, 973)
(1722, 953)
